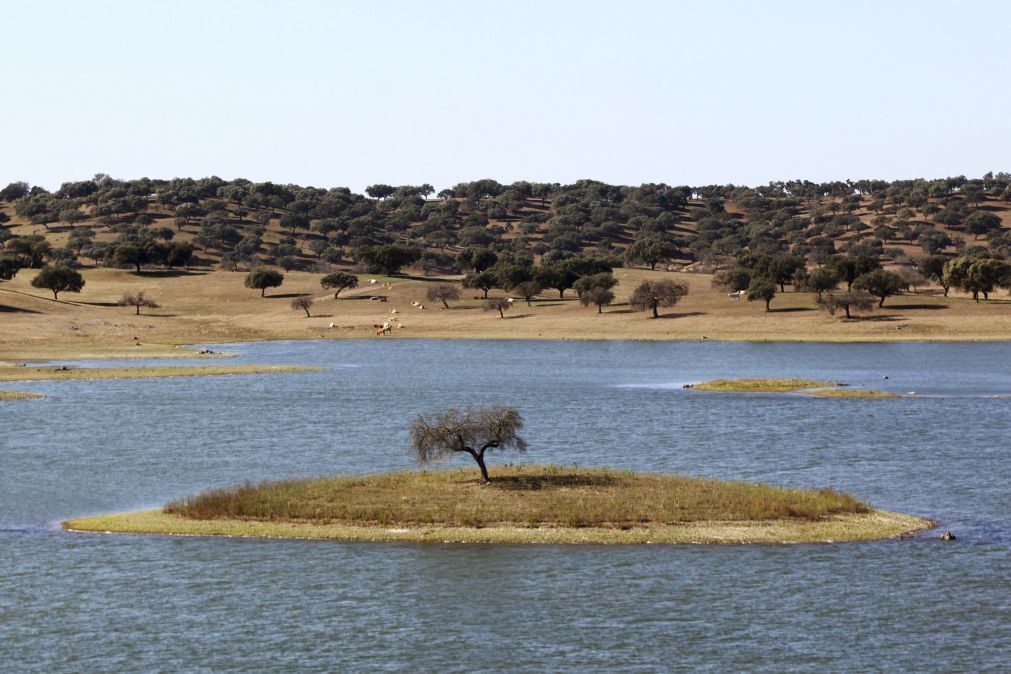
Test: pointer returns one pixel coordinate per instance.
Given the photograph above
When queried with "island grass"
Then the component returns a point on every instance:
(517, 496)
(851, 393)
(873, 525)
(762, 385)
(19, 395)
(51, 373)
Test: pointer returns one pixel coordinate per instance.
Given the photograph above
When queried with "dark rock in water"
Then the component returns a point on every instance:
(688, 386)
(948, 536)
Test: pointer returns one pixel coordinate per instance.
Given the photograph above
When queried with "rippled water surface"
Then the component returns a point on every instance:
(77, 602)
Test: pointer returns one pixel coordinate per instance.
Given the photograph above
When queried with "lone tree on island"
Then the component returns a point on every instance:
(303, 303)
(58, 278)
(472, 431)
(651, 294)
(443, 292)
(261, 279)
(137, 300)
(338, 281)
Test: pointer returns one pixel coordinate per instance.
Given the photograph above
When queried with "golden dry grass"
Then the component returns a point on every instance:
(215, 307)
(62, 374)
(762, 385)
(517, 496)
(19, 395)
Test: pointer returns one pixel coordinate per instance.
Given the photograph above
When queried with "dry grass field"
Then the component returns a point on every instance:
(203, 307)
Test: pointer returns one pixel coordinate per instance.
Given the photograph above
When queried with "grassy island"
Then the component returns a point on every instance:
(523, 504)
(53, 373)
(813, 387)
(19, 395)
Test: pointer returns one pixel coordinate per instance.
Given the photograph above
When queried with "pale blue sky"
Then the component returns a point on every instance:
(354, 93)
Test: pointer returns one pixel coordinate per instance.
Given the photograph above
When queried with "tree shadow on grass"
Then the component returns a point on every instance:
(4, 309)
(286, 296)
(790, 310)
(510, 318)
(535, 482)
(687, 314)
(98, 304)
(883, 318)
(169, 273)
(929, 307)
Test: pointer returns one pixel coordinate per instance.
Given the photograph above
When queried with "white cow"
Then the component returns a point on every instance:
(736, 295)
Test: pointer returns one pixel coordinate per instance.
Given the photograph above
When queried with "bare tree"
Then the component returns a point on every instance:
(443, 292)
(303, 303)
(137, 300)
(472, 431)
(499, 304)
(651, 294)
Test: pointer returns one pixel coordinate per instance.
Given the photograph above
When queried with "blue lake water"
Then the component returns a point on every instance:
(77, 602)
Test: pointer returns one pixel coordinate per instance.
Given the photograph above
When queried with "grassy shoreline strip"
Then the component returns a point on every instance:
(50, 373)
(874, 525)
(851, 393)
(20, 395)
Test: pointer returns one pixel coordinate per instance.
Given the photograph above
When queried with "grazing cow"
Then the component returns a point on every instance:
(372, 281)
(393, 311)
(736, 295)
(383, 329)
(332, 326)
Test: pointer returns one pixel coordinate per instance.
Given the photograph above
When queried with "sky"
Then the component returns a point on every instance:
(330, 93)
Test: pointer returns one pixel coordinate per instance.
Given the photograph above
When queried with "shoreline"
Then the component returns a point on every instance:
(875, 525)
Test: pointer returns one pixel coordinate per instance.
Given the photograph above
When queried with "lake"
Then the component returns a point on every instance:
(79, 602)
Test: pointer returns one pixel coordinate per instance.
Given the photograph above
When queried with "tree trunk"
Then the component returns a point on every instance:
(655, 314)
(444, 304)
(600, 309)
(479, 457)
(881, 303)
(561, 293)
(486, 292)
(847, 311)
(138, 310)
(263, 292)
(55, 296)
(501, 314)
(767, 308)
(945, 290)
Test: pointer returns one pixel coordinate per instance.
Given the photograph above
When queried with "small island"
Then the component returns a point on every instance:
(20, 395)
(811, 387)
(64, 373)
(521, 504)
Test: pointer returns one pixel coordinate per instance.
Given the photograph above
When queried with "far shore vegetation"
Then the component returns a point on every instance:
(62, 373)
(521, 504)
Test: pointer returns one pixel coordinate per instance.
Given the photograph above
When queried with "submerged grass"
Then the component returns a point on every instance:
(19, 395)
(851, 393)
(60, 373)
(518, 496)
(762, 385)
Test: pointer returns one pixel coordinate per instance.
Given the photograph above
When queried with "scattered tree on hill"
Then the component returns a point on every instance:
(485, 280)
(933, 269)
(880, 283)
(9, 267)
(477, 258)
(977, 275)
(857, 300)
(850, 267)
(58, 278)
(499, 304)
(261, 279)
(733, 280)
(651, 250)
(471, 431)
(603, 280)
(339, 281)
(762, 289)
(934, 241)
(651, 294)
(817, 280)
(528, 290)
(557, 275)
(388, 259)
(598, 296)
(443, 292)
(380, 191)
(137, 300)
(303, 303)
(981, 223)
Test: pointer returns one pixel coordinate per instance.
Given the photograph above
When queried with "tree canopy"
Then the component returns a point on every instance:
(472, 431)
